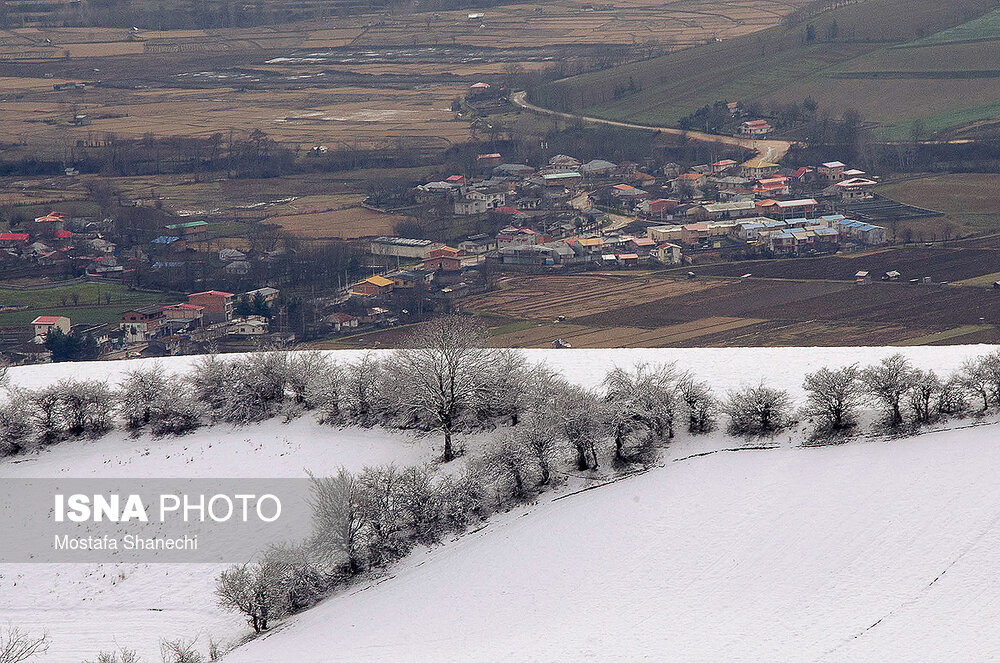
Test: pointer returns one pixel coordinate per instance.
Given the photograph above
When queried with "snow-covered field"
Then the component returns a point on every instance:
(785, 554)
(862, 552)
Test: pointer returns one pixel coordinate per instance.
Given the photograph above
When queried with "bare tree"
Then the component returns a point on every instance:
(537, 435)
(381, 514)
(17, 426)
(953, 397)
(642, 401)
(180, 651)
(887, 383)
(699, 401)
(254, 590)
(123, 655)
(447, 368)
(138, 393)
(923, 394)
(17, 646)
(579, 415)
(337, 520)
(310, 375)
(990, 366)
(757, 410)
(834, 396)
(975, 378)
(506, 392)
(507, 464)
(361, 390)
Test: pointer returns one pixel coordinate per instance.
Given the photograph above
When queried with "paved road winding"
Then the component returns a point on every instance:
(769, 150)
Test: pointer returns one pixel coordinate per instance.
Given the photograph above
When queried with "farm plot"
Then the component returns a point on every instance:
(729, 299)
(880, 210)
(582, 336)
(574, 295)
(31, 191)
(815, 313)
(350, 118)
(326, 217)
(940, 264)
(780, 65)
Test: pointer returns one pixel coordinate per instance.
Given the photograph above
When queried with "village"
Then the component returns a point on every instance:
(570, 215)
(563, 216)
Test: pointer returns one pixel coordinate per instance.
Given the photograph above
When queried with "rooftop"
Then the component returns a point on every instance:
(402, 241)
(217, 293)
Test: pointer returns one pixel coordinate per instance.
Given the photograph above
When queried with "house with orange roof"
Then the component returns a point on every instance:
(372, 287)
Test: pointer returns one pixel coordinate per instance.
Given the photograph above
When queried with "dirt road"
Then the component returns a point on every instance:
(769, 150)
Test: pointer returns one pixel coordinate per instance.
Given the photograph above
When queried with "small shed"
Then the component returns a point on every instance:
(862, 278)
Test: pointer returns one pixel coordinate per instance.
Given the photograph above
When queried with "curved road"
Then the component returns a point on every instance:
(769, 150)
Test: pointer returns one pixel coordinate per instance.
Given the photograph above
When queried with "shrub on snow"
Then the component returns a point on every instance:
(887, 383)
(17, 428)
(699, 402)
(757, 410)
(834, 396)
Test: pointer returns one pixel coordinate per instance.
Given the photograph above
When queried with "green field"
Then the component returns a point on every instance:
(983, 28)
(91, 307)
(944, 84)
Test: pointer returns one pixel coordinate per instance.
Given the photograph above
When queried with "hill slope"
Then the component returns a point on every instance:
(850, 553)
(684, 513)
(779, 65)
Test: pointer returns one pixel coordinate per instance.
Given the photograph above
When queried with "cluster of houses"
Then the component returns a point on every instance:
(435, 276)
(774, 210)
(55, 241)
(206, 317)
(776, 237)
(601, 215)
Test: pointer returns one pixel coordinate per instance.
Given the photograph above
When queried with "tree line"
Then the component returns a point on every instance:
(538, 428)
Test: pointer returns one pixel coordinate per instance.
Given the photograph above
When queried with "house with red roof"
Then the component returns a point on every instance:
(489, 160)
(11, 240)
(183, 311)
(444, 252)
(642, 246)
(668, 253)
(755, 128)
(722, 165)
(832, 170)
(511, 236)
(43, 324)
(51, 217)
(443, 264)
(692, 180)
(692, 234)
(142, 323)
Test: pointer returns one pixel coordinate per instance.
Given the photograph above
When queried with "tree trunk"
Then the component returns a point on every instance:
(449, 452)
(619, 446)
(544, 468)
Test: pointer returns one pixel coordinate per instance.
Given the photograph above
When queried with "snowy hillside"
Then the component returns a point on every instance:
(786, 553)
(862, 552)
